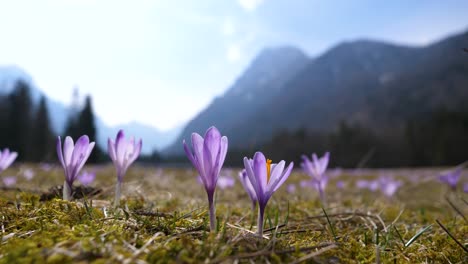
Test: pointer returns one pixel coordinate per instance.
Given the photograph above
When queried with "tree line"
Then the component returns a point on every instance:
(439, 138)
(27, 126)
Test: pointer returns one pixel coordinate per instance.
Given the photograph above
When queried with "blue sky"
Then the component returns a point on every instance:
(161, 62)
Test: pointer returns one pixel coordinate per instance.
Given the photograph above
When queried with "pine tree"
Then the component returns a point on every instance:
(4, 120)
(86, 126)
(42, 137)
(19, 127)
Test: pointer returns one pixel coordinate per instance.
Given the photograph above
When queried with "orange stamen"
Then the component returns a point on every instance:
(268, 165)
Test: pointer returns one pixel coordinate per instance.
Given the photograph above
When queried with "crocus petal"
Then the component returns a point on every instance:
(136, 151)
(6, 158)
(111, 150)
(78, 157)
(251, 175)
(285, 176)
(221, 155)
(259, 168)
(211, 147)
(85, 157)
(68, 147)
(197, 145)
(307, 166)
(316, 164)
(9, 160)
(6, 153)
(276, 173)
(120, 147)
(244, 179)
(80, 149)
(324, 162)
(190, 156)
(59, 152)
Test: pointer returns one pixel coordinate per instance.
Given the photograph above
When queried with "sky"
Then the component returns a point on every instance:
(161, 62)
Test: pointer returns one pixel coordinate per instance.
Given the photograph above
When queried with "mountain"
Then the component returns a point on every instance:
(371, 83)
(262, 82)
(152, 137)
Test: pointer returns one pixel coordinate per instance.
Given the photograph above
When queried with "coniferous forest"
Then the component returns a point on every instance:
(27, 128)
(434, 139)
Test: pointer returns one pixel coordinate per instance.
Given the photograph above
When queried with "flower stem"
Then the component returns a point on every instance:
(67, 191)
(261, 211)
(212, 209)
(118, 187)
(322, 196)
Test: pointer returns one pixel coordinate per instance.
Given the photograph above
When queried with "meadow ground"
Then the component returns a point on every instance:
(163, 219)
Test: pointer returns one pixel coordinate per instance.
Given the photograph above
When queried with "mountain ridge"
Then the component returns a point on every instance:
(361, 81)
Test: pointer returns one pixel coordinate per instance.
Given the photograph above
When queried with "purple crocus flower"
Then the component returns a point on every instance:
(373, 185)
(316, 168)
(389, 186)
(9, 181)
(266, 178)
(362, 184)
(6, 159)
(451, 178)
(122, 153)
(291, 188)
(73, 158)
(340, 184)
(208, 157)
(225, 182)
(465, 187)
(46, 166)
(86, 178)
(28, 174)
(244, 179)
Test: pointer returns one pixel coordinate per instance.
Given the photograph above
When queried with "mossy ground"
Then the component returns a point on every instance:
(163, 219)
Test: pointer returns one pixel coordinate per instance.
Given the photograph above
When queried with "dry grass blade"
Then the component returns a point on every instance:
(270, 252)
(143, 248)
(451, 236)
(459, 212)
(314, 254)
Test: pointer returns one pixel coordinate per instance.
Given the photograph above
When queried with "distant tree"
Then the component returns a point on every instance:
(19, 127)
(72, 127)
(4, 120)
(352, 145)
(86, 126)
(439, 139)
(42, 136)
(81, 121)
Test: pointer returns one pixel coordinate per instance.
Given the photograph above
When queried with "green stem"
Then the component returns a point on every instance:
(67, 191)
(118, 187)
(212, 208)
(261, 211)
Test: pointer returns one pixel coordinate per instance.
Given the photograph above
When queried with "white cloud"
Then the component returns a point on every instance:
(234, 53)
(228, 28)
(250, 5)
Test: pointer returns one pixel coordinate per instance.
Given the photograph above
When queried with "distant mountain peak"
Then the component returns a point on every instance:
(267, 70)
(279, 53)
(372, 82)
